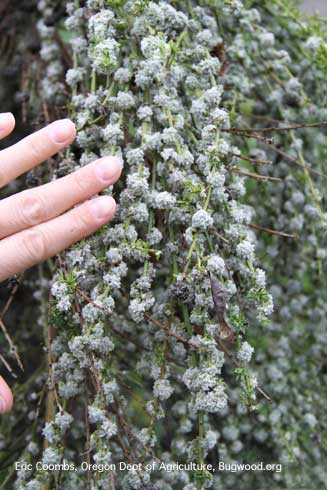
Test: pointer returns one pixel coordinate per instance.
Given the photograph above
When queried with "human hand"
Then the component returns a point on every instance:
(33, 224)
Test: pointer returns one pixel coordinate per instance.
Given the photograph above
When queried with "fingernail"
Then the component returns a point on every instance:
(3, 406)
(107, 168)
(5, 119)
(61, 131)
(103, 207)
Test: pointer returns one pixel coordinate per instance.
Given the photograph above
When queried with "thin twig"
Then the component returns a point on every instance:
(252, 160)
(125, 424)
(265, 118)
(3, 360)
(248, 134)
(124, 448)
(39, 403)
(12, 346)
(43, 101)
(276, 128)
(221, 237)
(254, 175)
(89, 300)
(112, 480)
(66, 54)
(11, 298)
(272, 232)
(294, 160)
(172, 334)
(98, 385)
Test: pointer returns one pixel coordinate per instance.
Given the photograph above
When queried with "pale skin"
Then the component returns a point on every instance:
(38, 223)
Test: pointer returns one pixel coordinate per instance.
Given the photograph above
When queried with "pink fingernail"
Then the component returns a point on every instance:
(102, 207)
(3, 406)
(107, 168)
(61, 131)
(5, 119)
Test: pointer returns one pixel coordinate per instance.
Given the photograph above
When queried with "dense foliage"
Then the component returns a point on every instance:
(163, 338)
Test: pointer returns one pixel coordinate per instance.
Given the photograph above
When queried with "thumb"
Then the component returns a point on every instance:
(6, 397)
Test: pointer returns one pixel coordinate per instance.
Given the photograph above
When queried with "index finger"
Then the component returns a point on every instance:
(7, 124)
(34, 149)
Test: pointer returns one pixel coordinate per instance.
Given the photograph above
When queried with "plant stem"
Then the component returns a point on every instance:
(93, 82)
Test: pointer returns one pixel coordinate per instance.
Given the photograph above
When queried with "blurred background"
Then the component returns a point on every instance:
(312, 6)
